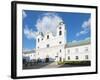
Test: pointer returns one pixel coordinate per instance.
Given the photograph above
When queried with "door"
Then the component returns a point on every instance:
(47, 59)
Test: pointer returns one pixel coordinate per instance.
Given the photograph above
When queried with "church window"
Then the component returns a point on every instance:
(48, 45)
(60, 50)
(38, 39)
(47, 36)
(59, 27)
(68, 57)
(60, 32)
(60, 42)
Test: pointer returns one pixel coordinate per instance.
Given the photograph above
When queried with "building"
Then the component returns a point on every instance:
(50, 47)
(29, 55)
(79, 52)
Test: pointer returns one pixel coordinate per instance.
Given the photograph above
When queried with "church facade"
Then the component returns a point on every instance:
(51, 46)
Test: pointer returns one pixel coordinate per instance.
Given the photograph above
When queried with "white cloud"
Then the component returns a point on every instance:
(83, 32)
(85, 27)
(48, 22)
(87, 24)
(29, 33)
(74, 41)
(24, 14)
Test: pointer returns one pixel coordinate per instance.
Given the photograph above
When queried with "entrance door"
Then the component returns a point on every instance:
(47, 60)
(60, 59)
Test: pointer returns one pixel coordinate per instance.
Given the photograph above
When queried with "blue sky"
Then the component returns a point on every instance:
(77, 25)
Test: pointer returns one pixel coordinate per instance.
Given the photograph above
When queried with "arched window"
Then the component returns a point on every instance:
(60, 42)
(68, 57)
(48, 45)
(38, 39)
(60, 32)
(60, 50)
(47, 36)
(59, 27)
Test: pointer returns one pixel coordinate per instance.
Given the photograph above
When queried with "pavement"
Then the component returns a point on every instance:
(51, 65)
(41, 65)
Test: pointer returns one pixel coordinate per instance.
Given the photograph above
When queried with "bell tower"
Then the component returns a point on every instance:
(61, 32)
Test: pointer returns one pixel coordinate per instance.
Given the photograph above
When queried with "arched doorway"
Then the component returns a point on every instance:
(47, 59)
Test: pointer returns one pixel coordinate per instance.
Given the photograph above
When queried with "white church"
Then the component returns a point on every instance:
(51, 47)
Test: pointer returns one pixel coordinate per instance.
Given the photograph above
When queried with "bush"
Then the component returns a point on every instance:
(74, 62)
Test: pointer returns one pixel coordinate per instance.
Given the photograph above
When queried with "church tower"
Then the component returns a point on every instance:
(62, 39)
(61, 32)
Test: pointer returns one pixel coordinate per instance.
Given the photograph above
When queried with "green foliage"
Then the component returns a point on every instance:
(73, 62)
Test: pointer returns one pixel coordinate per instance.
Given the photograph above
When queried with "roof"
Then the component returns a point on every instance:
(78, 43)
(28, 51)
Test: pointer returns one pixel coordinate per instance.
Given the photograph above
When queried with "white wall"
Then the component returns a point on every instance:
(5, 41)
(81, 53)
(42, 51)
(30, 55)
